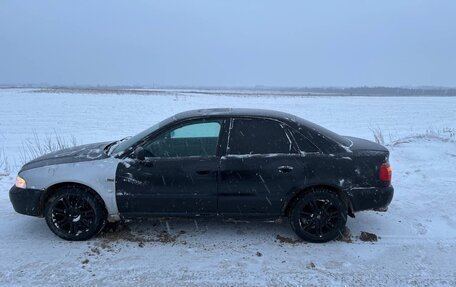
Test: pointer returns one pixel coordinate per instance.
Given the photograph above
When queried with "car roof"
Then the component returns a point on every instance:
(235, 112)
(292, 120)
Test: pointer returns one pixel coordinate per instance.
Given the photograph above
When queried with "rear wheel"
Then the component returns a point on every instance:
(72, 213)
(318, 216)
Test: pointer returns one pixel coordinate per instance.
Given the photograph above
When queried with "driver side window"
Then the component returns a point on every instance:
(193, 139)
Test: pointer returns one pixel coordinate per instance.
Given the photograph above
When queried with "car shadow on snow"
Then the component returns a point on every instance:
(31, 227)
(194, 231)
(182, 231)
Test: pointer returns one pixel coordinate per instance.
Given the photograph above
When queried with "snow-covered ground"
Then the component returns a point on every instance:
(417, 244)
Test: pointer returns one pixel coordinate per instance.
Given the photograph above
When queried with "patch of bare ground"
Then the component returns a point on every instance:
(288, 240)
(368, 237)
(346, 236)
(114, 234)
(311, 265)
(122, 232)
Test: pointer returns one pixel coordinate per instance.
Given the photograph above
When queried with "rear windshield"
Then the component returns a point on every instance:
(325, 132)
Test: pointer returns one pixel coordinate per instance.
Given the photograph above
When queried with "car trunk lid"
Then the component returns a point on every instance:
(365, 145)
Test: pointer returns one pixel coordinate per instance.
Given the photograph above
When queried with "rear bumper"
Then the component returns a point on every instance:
(377, 198)
(26, 201)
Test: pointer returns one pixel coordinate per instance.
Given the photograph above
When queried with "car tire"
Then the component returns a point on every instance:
(73, 213)
(318, 216)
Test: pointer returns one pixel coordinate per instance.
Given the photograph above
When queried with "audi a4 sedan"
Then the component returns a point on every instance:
(231, 163)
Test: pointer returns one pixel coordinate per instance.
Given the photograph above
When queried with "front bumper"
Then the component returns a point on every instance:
(377, 198)
(26, 201)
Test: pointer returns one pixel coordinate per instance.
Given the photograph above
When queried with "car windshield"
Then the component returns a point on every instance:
(124, 145)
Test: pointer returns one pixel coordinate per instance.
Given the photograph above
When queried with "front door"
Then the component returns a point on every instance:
(179, 175)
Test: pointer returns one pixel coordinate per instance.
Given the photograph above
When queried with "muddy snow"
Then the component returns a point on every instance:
(412, 244)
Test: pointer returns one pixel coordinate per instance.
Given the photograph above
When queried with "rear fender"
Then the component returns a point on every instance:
(297, 191)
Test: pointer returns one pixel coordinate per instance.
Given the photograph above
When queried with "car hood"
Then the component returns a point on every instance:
(80, 153)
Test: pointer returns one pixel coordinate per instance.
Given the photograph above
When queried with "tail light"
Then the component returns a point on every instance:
(386, 172)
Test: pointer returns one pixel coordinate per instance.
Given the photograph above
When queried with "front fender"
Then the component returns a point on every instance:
(99, 175)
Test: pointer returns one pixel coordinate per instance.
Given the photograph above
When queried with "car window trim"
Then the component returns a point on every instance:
(291, 130)
(285, 126)
(175, 125)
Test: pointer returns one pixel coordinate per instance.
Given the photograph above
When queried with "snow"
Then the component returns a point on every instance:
(417, 243)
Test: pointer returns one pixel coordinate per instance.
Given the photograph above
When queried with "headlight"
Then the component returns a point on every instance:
(20, 182)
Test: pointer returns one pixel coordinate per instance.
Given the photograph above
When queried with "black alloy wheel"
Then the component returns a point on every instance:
(319, 216)
(73, 213)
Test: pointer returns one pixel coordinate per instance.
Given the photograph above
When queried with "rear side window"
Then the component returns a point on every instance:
(258, 136)
(304, 144)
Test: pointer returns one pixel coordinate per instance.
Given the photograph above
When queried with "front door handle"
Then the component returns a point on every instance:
(147, 163)
(285, 168)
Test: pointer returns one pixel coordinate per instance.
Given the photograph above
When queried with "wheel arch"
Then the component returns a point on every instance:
(295, 193)
(51, 190)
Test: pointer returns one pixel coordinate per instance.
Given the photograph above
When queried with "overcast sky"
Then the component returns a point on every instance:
(228, 43)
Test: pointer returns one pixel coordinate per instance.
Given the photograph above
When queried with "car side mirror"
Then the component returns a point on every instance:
(139, 153)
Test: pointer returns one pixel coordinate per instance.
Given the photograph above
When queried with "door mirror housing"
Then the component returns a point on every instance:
(139, 153)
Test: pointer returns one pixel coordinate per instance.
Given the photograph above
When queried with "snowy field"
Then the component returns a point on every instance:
(417, 244)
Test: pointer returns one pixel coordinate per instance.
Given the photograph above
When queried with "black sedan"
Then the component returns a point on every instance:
(235, 163)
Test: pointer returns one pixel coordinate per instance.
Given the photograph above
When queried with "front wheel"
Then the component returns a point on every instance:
(318, 216)
(72, 213)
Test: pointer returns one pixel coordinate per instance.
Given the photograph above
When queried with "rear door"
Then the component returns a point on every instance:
(262, 164)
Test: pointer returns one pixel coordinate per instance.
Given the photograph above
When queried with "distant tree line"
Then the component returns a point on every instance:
(374, 91)
(338, 91)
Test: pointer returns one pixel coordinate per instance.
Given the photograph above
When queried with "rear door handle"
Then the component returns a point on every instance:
(285, 168)
(203, 172)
